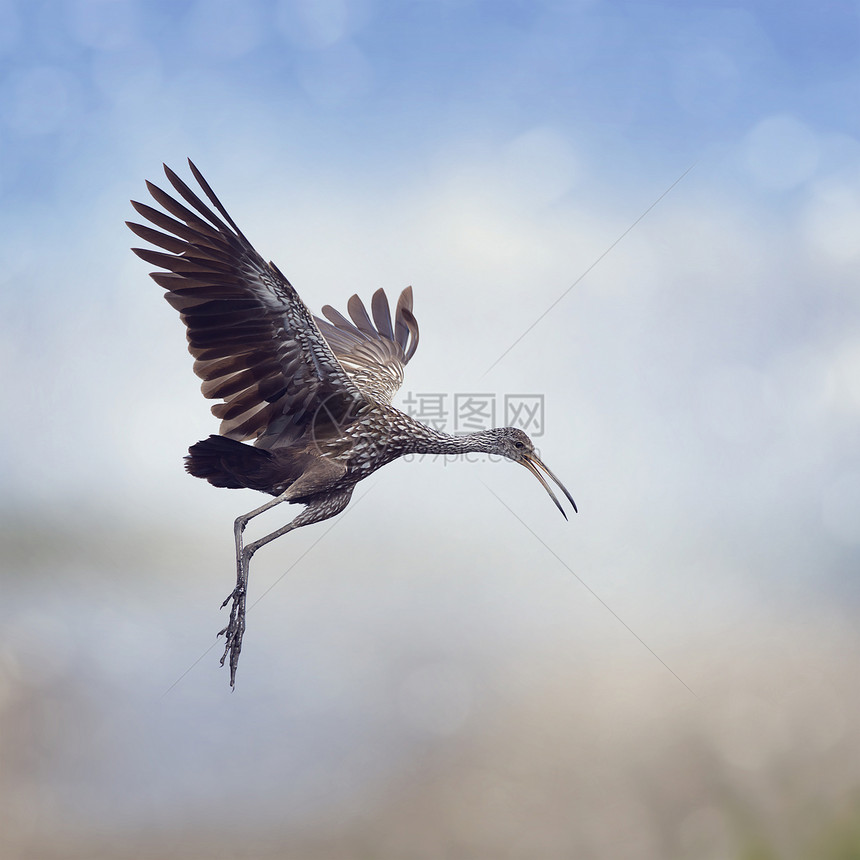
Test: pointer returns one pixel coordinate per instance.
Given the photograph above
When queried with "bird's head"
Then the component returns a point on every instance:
(512, 443)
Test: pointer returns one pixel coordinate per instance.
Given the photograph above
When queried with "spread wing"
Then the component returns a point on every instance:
(375, 352)
(256, 345)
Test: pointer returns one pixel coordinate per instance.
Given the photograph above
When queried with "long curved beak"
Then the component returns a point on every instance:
(532, 463)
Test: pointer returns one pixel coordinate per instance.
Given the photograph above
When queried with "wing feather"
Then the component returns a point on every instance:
(360, 317)
(405, 324)
(373, 352)
(382, 314)
(256, 345)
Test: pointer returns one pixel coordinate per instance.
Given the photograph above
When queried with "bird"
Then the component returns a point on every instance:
(313, 395)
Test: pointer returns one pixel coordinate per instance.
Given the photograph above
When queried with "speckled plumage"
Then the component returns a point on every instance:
(314, 395)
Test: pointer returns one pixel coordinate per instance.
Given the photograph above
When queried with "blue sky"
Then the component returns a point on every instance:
(378, 87)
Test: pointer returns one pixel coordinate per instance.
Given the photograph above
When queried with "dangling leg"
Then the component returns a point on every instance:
(320, 509)
(239, 593)
(238, 529)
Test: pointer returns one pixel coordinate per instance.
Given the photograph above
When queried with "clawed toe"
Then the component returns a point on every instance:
(234, 630)
(238, 591)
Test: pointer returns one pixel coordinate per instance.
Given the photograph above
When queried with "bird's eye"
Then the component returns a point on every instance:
(518, 444)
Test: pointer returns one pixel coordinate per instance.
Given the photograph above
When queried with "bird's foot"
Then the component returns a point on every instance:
(234, 631)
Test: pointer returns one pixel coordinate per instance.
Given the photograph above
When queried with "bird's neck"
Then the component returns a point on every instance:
(433, 441)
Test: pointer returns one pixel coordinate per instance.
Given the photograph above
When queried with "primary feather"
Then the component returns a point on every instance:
(257, 347)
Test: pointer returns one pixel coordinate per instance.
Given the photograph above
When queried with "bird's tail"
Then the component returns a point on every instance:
(227, 463)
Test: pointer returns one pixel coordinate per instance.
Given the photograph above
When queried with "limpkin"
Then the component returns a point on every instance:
(313, 394)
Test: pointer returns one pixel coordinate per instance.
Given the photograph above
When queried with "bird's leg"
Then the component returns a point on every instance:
(236, 625)
(238, 529)
(319, 509)
(235, 630)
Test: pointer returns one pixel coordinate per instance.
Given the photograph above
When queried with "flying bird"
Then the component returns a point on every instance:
(312, 395)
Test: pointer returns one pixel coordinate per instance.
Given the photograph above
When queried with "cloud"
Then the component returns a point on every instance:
(781, 152)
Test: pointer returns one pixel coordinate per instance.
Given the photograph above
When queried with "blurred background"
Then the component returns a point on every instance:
(449, 669)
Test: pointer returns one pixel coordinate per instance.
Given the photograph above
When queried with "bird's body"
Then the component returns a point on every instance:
(314, 395)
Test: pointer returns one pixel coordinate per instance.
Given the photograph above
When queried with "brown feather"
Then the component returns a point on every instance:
(358, 312)
(240, 312)
(382, 314)
(171, 225)
(181, 212)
